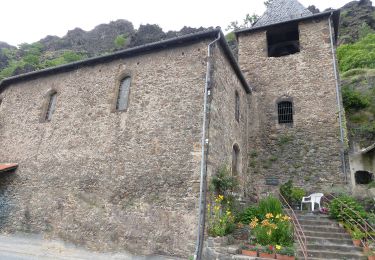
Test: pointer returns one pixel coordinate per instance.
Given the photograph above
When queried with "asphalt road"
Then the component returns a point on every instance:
(33, 247)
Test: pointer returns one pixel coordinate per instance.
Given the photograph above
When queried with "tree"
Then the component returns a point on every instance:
(247, 22)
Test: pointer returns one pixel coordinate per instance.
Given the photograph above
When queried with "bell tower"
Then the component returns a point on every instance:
(296, 126)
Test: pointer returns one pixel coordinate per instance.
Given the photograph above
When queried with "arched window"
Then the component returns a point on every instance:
(235, 159)
(237, 107)
(51, 106)
(123, 94)
(285, 112)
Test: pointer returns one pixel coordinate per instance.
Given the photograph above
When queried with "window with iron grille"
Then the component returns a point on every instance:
(123, 94)
(51, 106)
(285, 112)
(237, 107)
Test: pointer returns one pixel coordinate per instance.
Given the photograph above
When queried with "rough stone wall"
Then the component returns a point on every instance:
(224, 130)
(104, 179)
(309, 151)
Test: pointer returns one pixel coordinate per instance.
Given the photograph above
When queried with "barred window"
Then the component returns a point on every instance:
(237, 107)
(123, 94)
(51, 106)
(285, 112)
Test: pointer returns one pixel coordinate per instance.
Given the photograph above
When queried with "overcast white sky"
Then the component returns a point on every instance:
(30, 20)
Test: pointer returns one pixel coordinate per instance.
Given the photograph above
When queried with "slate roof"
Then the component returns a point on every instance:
(282, 11)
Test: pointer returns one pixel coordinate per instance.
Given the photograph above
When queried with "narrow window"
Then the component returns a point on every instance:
(237, 107)
(123, 94)
(235, 160)
(283, 40)
(285, 112)
(51, 106)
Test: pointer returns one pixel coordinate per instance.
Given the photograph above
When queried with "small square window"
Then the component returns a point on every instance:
(283, 40)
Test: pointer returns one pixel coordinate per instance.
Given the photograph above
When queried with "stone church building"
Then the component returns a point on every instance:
(115, 152)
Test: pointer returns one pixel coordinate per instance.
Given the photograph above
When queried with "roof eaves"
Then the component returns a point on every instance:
(232, 60)
(368, 149)
(139, 50)
(335, 14)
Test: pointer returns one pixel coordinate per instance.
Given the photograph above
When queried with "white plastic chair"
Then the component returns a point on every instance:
(312, 199)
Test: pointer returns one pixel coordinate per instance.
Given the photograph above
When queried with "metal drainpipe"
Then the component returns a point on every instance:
(338, 99)
(204, 143)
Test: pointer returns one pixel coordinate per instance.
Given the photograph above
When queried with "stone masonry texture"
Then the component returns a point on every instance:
(224, 130)
(103, 179)
(309, 151)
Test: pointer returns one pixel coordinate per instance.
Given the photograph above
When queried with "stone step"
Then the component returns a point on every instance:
(322, 234)
(329, 241)
(336, 229)
(318, 222)
(323, 254)
(341, 248)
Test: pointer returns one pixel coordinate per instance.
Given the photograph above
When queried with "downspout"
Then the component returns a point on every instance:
(342, 153)
(204, 144)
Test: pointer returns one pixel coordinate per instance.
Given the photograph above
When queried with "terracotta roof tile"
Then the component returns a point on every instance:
(8, 166)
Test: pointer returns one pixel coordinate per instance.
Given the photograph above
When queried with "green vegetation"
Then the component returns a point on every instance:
(353, 99)
(223, 182)
(269, 205)
(121, 41)
(30, 57)
(220, 218)
(293, 195)
(357, 66)
(357, 55)
(351, 213)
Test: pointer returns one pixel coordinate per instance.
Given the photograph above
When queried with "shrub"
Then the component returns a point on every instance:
(248, 214)
(353, 99)
(269, 205)
(358, 55)
(286, 250)
(286, 190)
(351, 213)
(220, 218)
(297, 194)
(223, 182)
(273, 230)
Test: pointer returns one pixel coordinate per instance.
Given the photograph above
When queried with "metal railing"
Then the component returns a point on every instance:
(358, 222)
(298, 231)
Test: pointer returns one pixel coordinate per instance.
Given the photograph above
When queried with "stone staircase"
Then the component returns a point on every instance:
(326, 239)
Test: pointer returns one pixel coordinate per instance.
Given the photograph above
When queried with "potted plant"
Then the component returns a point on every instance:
(370, 255)
(250, 250)
(357, 236)
(285, 253)
(267, 252)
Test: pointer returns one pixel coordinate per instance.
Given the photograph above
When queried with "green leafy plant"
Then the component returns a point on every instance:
(248, 214)
(285, 250)
(358, 55)
(269, 249)
(346, 209)
(357, 234)
(220, 218)
(353, 99)
(297, 194)
(223, 182)
(269, 205)
(286, 190)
